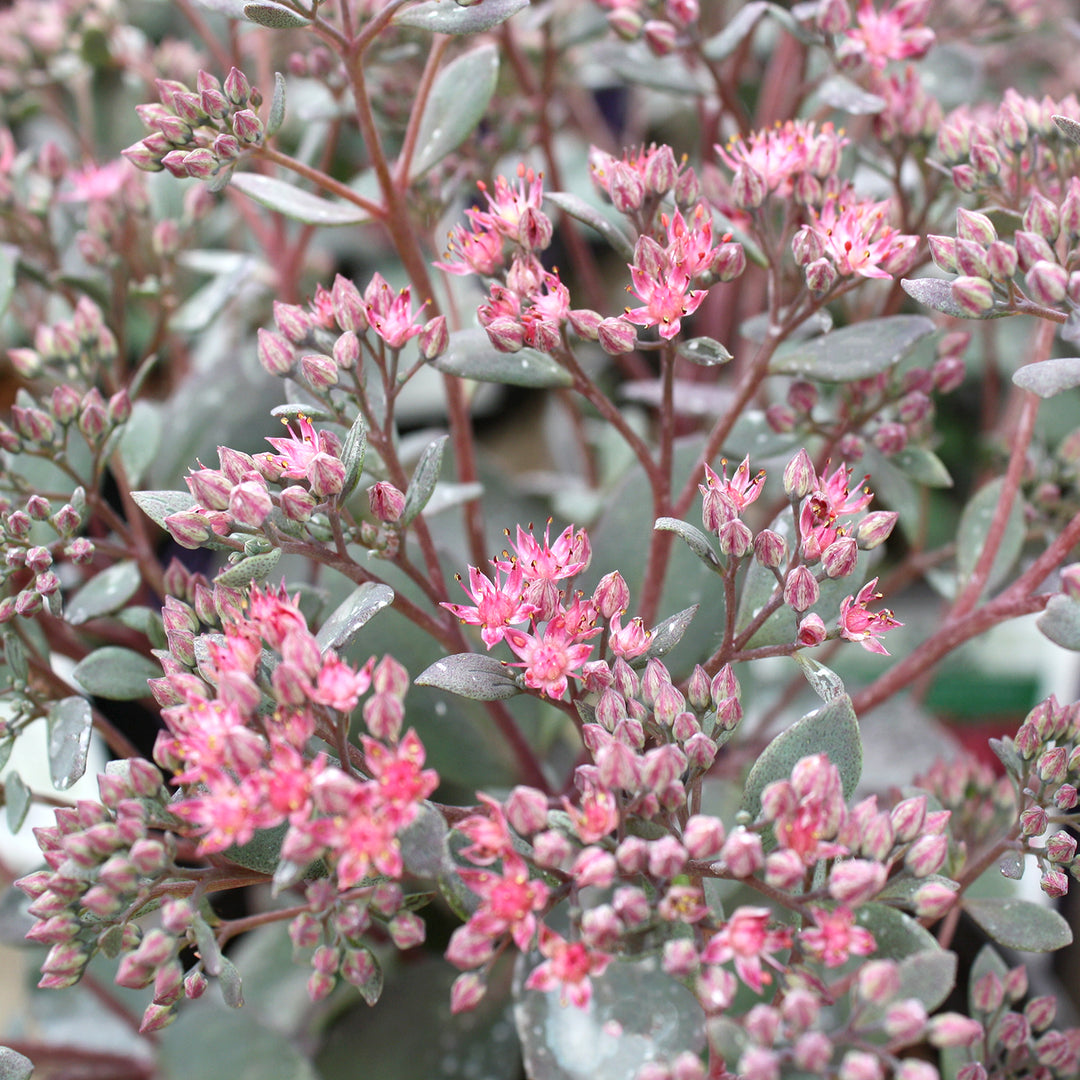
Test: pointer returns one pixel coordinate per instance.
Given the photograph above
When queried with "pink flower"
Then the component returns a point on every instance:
(726, 498)
(567, 968)
(507, 901)
(858, 624)
(300, 453)
(747, 939)
(836, 937)
(498, 603)
(662, 286)
(892, 34)
(389, 314)
(548, 660)
(858, 238)
(779, 155)
(402, 780)
(96, 182)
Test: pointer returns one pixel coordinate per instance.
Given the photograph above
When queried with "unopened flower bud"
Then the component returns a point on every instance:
(1047, 282)
(801, 590)
(953, 1029)
(820, 276)
(616, 336)
(770, 549)
(386, 502)
(973, 295)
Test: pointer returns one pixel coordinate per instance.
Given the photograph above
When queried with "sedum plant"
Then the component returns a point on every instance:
(471, 469)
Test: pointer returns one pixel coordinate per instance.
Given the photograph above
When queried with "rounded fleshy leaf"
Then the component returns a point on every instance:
(365, 601)
(636, 1013)
(720, 46)
(13, 1066)
(470, 355)
(253, 568)
(974, 526)
(854, 352)
(274, 16)
(839, 92)
(831, 730)
(581, 211)
(695, 539)
(666, 635)
(1049, 377)
(476, 676)
(104, 593)
(1060, 622)
(897, 935)
(115, 673)
(448, 17)
(704, 351)
(936, 293)
(70, 722)
(458, 100)
(424, 478)
(1020, 924)
(295, 203)
(17, 799)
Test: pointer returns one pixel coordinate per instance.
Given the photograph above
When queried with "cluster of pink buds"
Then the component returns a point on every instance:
(104, 862)
(637, 183)
(1025, 1045)
(525, 589)
(663, 25)
(891, 410)
(1044, 760)
(200, 133)
(237, 496)
(827, 539)
(326, 340)
(1040, 255)
(1006, 154)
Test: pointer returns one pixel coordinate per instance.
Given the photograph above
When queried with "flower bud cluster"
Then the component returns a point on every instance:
(334, 927)
(1026, 1045)
(983, 804)
(1006, 154)
(200, 133)
(825, 541)
(104, 859)
(237, 497)
(638, 183)
(1044, 761)
(892, 410)
(28, 566)
(663, 25)
(319, 342)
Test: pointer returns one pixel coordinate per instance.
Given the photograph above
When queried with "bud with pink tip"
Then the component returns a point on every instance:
(953, 1029)
(801, 590)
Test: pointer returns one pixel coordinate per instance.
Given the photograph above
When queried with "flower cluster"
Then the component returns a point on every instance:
(201, 133)
(243, 766)
(989, 268)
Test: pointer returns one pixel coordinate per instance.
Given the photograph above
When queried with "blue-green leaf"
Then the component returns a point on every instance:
(974, 526)
(17, 799)
(470, 355)
(1060, 621)
(104, 593)
(581, 211)
(295, 203)
(341, 627)
(115, 673)
(253, 568)
(274, 16)
(457, 103)
(1049, 377)
(854, 352)
(69, 723)
(831, 730)
(277, 106)
(936, 293)
(424, 478)
(1020, 924)
(471, 675)
(13, 1066)
(448, 17)
(695, 539)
